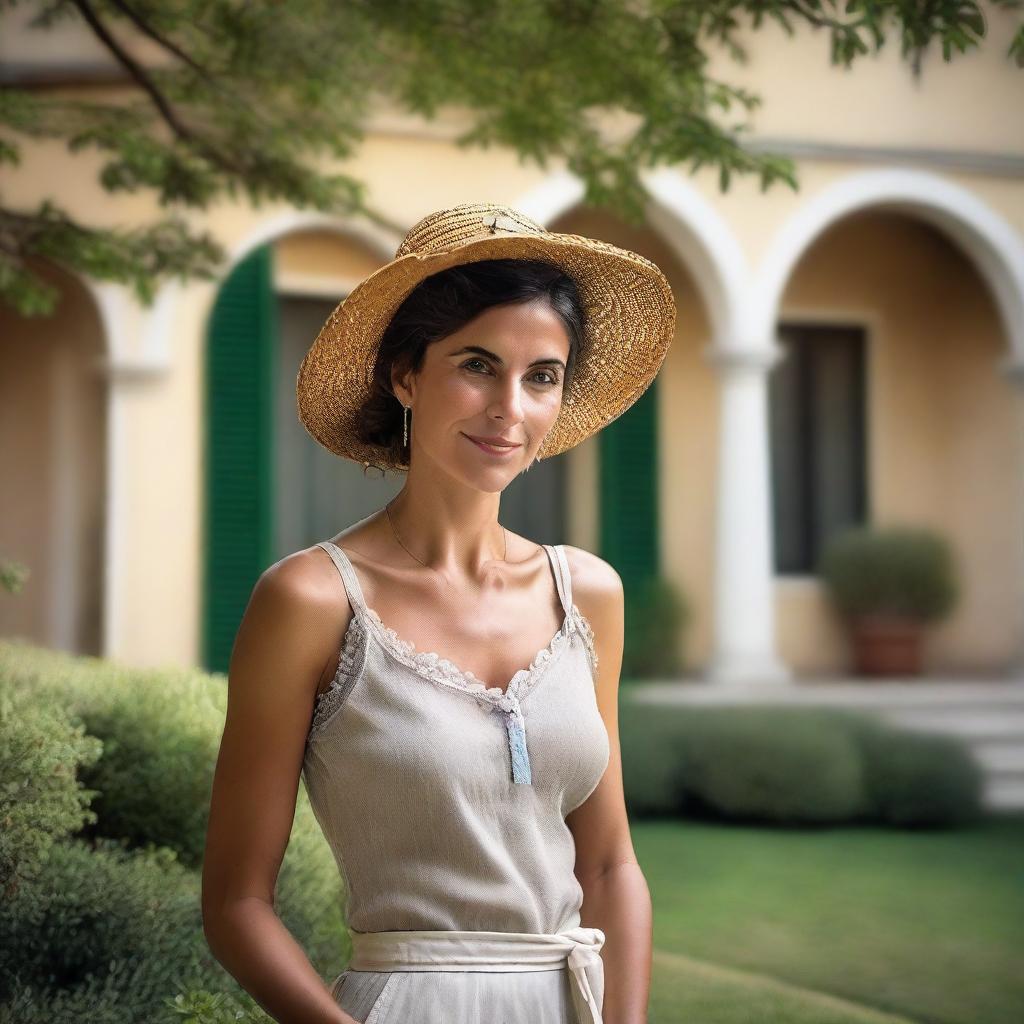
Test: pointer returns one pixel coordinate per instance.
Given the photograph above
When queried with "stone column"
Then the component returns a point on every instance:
(744, 615)
(138, 352)
(1013, 369)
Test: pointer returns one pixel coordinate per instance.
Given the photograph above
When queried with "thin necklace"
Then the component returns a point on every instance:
(387, 509)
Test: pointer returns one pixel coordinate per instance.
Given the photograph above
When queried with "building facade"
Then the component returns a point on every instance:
(849, 353)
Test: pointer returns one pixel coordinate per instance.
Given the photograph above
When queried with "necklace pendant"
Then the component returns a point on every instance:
(515, 726)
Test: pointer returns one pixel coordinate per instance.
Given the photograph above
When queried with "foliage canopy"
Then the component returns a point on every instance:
(216, 99)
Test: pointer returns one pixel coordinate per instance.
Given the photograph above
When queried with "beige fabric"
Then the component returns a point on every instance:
(580, 948)
(411, 769)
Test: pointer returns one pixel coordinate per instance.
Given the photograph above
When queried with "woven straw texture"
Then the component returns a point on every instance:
(628, 305)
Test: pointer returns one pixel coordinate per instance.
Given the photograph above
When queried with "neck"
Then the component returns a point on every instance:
(454, 535)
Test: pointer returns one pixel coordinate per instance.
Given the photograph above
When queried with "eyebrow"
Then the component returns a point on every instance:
(479, 350)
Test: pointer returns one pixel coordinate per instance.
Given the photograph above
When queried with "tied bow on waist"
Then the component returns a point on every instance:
(578, 949)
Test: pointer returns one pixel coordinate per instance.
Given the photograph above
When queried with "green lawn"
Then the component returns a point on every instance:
(835, 925)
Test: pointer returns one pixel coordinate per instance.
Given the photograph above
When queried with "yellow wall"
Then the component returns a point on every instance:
(53, 470)
(316, 258)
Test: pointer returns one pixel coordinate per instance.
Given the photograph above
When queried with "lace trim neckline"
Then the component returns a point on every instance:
(442, 670)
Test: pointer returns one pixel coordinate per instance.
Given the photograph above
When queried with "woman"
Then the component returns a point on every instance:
(473, 796)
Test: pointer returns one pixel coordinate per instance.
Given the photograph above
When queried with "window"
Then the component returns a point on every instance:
(817, 421)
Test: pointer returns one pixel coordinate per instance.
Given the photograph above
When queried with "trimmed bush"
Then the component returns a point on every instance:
(109, 928)
(160, 730)
(920, 779)
(650, 738)
(656, 615)
(124, 925)
(41, 799)
(768, 763)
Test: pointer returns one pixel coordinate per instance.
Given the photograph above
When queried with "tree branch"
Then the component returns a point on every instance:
(172, 47)
(135, 69)
(139, 73)
(168, 44)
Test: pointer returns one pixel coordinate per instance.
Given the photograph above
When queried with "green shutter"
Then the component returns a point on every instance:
(629, 491)
(238, 450)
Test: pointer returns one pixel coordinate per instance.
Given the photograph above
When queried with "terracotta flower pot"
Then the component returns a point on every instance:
(887, 645)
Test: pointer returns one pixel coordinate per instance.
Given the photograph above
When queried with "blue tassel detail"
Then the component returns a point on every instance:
(517, 745)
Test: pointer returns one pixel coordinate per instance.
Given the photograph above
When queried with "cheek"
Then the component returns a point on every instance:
(458, 395)
(453, 400)
(550, 405)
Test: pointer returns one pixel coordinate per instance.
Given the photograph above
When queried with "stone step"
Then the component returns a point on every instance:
(996, 742)
(995, 697)
(1001, 759)
(1004, 794)
(1007, 725)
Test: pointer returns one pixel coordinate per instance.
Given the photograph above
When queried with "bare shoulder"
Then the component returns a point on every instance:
(297, 616)
(301, 585)
(305, 575)
(596, 584)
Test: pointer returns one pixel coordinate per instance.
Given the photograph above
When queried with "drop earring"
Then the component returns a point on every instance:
(405, 425)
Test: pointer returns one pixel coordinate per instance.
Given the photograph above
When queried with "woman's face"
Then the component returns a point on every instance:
(500, 377)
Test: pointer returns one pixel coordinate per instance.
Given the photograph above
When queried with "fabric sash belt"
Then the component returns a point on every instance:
(575, 948)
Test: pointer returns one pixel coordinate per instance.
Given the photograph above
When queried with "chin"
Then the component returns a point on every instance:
(489, 479)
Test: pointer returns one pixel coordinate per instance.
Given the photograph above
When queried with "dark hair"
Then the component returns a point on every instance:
(442, 304)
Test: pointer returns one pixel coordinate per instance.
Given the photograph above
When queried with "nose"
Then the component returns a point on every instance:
(507, 402)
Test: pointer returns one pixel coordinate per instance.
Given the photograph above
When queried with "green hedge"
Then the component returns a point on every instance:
(41, 799)
(777, 764)
(160, 730)
(113, 928)
(657, 618)
(105, 777)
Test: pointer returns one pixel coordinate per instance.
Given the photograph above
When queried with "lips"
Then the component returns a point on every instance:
(491, 448)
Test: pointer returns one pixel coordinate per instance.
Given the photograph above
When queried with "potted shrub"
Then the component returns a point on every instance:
(888, 583)
(657, 614)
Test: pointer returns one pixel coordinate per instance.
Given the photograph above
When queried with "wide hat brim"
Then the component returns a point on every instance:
(629, 324)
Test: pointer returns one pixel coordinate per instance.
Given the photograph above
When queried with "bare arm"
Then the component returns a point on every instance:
(292, 627)
(615, 894)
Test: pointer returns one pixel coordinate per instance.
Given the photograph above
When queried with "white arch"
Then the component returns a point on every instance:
(379, 240)
(993, 244)
(679, 213)
(156, 338)
(155, 324)
(707, 245)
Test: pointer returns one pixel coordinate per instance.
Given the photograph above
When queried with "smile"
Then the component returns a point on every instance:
(491, 449)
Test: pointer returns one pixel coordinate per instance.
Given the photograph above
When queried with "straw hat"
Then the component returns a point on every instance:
(628, 308)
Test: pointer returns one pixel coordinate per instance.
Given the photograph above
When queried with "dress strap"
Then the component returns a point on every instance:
(561, 570)
(348, 575)
(566, 576)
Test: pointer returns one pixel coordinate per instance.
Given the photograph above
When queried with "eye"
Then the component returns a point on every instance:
(552, 377)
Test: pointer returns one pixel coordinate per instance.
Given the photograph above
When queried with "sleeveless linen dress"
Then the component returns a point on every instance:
(444, 801)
